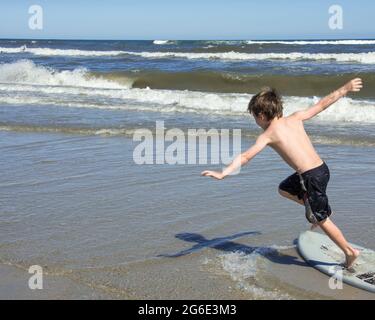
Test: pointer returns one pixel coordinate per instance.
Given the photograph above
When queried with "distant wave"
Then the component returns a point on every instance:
(366, 58)
(59, 52)
(25, 83)
(161, 42)
(292, 42)
(226, 42)
(69, 129)
(318, 42)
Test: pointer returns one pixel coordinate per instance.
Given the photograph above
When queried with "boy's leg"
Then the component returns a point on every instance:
(334, 233)
(295, 199)
(291, 197)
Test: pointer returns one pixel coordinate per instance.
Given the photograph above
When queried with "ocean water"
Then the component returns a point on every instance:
(73, 200)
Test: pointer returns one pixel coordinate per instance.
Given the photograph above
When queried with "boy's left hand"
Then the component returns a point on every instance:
(354, 85)
(214, 174)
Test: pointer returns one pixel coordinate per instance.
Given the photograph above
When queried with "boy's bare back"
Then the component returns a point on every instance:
(287, 136)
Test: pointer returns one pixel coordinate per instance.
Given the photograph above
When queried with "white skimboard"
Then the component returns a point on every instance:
(321, 253)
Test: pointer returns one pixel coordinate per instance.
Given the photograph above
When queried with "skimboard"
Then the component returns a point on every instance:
(321, 253)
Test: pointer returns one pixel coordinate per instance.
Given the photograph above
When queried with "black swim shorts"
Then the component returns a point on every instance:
(315, 183)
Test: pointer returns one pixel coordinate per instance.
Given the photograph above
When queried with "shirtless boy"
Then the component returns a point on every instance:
(287, 136)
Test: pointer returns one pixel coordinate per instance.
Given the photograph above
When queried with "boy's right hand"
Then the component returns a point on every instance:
(354, 85)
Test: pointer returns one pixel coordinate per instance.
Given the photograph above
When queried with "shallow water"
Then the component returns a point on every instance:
(79, 206)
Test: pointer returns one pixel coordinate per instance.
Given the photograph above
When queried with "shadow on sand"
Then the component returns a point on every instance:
(225, 244)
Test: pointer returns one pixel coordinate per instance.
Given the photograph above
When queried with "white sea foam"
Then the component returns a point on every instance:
(161, 42)
(294, 42)
(318, 42)
(23, 82)
(226, 42)
(26, 72)
(366, 58)
(244, 270)
(59, 52)
(346, 110)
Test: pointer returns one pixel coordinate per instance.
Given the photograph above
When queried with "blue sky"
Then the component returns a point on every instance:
(192, 19)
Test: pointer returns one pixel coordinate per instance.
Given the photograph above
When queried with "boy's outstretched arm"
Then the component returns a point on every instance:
(243, 158)
(354, 85)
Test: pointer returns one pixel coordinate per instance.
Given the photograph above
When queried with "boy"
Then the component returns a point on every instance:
(287, 136)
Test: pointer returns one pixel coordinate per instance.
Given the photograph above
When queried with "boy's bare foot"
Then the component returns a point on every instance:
(351, 257)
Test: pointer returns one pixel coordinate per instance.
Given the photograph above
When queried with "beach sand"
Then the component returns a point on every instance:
(14, 286)
(171, 280)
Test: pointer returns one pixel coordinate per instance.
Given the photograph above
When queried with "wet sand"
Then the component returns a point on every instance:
(154, 281)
